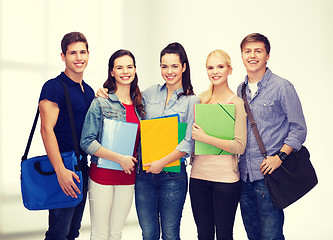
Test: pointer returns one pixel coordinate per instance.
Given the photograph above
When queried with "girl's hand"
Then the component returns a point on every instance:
(197, 132)
(127, 164)
(102, 92)
(154, 167)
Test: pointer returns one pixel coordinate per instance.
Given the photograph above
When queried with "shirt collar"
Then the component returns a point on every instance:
(113, 96)
(179, 90)
(69, 81)
(264, 80)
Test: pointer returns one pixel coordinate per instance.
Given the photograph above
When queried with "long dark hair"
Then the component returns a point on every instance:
(177, 48)
(111, 85)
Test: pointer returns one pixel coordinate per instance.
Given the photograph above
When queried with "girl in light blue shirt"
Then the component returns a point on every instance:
(160, 195)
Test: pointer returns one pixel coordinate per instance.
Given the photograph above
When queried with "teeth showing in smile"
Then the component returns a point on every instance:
(125, 78)
(253, 62)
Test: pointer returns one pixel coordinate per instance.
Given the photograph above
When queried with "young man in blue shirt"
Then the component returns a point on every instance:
(279, 117)
(64, 224)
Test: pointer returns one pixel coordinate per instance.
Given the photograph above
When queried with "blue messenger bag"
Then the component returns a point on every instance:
(39, 183)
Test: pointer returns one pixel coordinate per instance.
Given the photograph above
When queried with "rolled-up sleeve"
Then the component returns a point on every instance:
(187, 144)
(91, 129)
(292, 107)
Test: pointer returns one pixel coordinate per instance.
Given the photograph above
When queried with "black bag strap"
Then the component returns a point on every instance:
(72, 122)
(71, 118)
(257, 134)
(253, 123)
(25, 155)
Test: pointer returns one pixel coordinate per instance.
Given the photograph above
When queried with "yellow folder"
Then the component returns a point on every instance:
(159, 137)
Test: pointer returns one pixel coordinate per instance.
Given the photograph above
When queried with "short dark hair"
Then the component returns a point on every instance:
(70, 38)
(256, 37)
(177, 48)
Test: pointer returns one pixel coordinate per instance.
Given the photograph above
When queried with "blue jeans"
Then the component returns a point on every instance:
(261, 219)
(159, 200)
(65, 223)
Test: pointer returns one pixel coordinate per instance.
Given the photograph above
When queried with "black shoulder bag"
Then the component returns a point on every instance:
(296, 175)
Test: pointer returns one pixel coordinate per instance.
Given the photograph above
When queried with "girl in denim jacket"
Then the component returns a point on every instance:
(160, 195)
(111, 191)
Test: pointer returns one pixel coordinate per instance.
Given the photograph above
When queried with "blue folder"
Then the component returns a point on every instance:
(118, 137)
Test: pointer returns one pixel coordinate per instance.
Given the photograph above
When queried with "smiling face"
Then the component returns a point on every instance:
(123, 70)
(218, 70)
(172, 70)
(76, 59)
(255, 58)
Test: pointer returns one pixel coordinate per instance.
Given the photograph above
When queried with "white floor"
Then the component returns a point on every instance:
(132, 229)
(297, 227)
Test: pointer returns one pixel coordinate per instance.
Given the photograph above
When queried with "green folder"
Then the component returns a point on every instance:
(181, 135)
(217, 120)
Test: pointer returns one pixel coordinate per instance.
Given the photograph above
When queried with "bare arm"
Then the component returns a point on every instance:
(49, 113)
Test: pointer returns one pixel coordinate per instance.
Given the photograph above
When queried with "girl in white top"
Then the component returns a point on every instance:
(214, 184)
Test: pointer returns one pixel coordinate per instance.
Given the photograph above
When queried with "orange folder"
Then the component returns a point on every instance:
(159, 137)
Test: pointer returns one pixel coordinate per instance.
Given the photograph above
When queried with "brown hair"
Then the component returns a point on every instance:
(177, 48)
(111, 85)
(70, 38)
(256, 37)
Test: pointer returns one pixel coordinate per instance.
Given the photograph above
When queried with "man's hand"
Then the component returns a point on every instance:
(102, 92)
(67, 184)
(270, 164)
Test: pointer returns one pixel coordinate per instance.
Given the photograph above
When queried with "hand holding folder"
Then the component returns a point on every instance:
(159, 137)
(118, 137)
(217, 120)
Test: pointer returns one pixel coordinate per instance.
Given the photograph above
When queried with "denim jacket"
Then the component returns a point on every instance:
(100, 108)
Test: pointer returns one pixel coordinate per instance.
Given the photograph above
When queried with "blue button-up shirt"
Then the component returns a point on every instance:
(154, 99)
(278, 113)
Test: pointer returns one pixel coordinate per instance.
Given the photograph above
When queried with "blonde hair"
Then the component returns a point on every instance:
(207, 95)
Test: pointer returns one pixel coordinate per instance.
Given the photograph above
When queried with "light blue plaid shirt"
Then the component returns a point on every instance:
(278, 113)
(154, 101)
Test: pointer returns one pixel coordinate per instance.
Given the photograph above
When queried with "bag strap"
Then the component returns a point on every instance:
(257, 134)
(25, 155)
(253, 123)
(71, 118)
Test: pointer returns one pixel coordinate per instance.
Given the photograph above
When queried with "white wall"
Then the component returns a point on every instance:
(301, 36)
(31, 32)
(300, 32)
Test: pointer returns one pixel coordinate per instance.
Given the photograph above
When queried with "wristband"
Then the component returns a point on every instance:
(282, 155)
